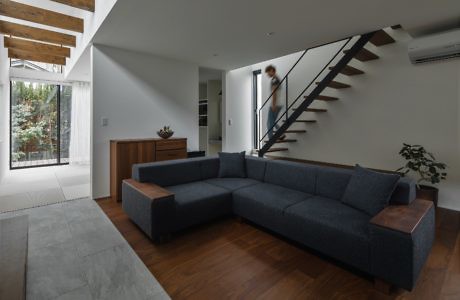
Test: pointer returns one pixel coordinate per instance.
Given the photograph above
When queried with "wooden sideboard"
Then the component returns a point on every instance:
(125, 153)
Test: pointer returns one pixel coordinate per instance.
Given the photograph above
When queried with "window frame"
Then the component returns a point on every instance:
(58, 127)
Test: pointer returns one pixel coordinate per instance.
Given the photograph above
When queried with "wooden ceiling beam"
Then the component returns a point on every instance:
(44, 58)
(82, 4)
(35, 47)
(37, 34)
(34, 14)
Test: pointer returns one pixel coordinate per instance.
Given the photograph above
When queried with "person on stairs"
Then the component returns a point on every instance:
(274, 109)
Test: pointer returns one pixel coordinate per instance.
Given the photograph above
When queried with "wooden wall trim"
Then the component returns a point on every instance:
(37, 34)
(34, 14)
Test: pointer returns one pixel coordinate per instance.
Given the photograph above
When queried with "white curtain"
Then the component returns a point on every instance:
(79, 151)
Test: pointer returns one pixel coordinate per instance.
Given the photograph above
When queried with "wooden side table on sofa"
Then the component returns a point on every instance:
(127, 152)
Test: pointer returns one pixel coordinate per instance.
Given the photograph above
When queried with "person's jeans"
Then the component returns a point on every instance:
(272, 116)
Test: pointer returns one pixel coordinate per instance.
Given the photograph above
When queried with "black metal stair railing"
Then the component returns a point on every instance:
(288, 119)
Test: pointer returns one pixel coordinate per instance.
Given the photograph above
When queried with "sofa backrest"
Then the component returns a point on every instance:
(329, 182)
(255, 167)
(168, 173)
(297, 176)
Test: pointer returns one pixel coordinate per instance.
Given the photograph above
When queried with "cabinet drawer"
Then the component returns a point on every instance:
(171, 154)
(171, 144)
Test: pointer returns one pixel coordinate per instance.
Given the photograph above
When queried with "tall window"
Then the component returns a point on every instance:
(256, 104)
(40, 124)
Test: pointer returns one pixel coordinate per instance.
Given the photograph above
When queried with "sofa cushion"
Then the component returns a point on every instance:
(209, 167)
(232, 184)
(369, 191)
(199, 202)
(331, 227)
(273, 196)
(296, 176)
(264, 204)
(255, 167)
(167, 173)
(332, 182)
(232, 165)
(405, 191)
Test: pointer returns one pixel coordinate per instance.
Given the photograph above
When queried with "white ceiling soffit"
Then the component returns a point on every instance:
(224, 34)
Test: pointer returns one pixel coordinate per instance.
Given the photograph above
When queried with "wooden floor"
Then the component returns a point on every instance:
(228, 259)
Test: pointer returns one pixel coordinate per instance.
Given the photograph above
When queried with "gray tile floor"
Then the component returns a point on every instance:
(34, 187)
(75, 252)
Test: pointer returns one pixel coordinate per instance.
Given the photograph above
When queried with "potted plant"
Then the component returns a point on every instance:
(424, 164)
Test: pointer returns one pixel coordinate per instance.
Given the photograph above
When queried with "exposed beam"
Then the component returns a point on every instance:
(82, 4)
(45, 58)
(37, 34)
(34, 14)
(40, 48)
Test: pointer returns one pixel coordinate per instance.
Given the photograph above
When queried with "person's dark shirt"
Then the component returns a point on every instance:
(275, 82)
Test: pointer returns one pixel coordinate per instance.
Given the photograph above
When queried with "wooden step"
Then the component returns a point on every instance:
(314, 110)
(304, 121)
(277, 149)
(284, 141)
(365, 55)
(381, 38)
(337, 85)
(295, 131)
(325, 98)
(349, 71)
(318, 110)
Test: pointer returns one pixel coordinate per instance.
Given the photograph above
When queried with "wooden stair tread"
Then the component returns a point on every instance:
(365, 55)
(381, 38)
(325, 98)
(337, 85)
(349, 71)
(313, 110)
(316, 109)
(304, 121)
(277, 149)
(295, 131)
(284, 141)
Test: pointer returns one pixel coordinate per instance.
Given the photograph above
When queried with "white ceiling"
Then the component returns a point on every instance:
(206, 74)
(225, 34)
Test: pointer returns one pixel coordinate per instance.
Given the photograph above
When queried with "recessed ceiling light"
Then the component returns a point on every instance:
(270, 33)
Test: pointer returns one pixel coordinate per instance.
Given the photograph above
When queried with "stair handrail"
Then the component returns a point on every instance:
(285, 79)
(359, 44)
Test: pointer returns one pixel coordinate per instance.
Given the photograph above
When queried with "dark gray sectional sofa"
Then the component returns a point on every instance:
(299, 201)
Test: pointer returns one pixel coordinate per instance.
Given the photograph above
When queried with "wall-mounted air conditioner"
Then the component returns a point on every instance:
(435, 47)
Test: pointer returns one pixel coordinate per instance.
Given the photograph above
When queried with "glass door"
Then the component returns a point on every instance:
(38, 114)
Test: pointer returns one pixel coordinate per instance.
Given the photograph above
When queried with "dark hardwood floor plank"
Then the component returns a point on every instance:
(228, 259)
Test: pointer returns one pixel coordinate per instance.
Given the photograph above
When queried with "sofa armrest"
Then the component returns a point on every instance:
(401, 237)
(403, 218)
(150, 206)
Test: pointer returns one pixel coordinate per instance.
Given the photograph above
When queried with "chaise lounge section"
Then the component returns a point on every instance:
(299, 201)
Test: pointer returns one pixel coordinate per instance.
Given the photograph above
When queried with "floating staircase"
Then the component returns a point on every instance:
(293, 115)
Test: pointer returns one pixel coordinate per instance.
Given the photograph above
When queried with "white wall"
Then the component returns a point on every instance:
(237, 136)
(394, 102)
(139, 94)
(4, 109)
